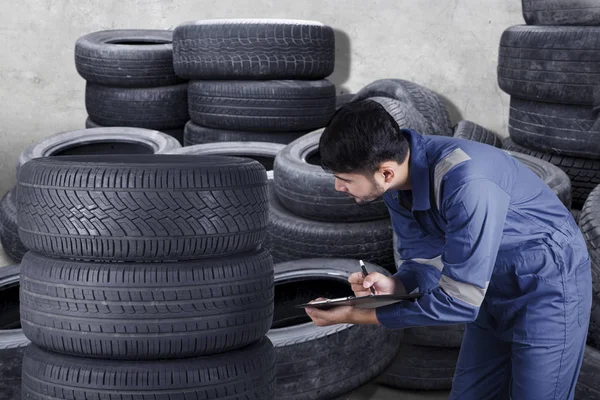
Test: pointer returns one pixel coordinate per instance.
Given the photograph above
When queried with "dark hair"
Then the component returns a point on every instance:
(359, 137)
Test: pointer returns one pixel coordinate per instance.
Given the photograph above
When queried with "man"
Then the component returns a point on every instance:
(484, 238)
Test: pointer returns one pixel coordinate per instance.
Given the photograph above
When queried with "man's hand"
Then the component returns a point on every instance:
(381, 283)
(341, 315)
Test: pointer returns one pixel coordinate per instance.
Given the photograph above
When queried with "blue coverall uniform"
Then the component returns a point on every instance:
(492, 246)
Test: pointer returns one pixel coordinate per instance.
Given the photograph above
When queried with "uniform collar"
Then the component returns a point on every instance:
(419, 170)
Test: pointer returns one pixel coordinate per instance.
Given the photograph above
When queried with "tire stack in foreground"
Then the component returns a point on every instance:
(550, 67)
(131, 82)
(142, 258)
(81, 142)
(255, 80)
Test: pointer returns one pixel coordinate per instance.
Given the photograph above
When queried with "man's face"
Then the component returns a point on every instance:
(358, 186)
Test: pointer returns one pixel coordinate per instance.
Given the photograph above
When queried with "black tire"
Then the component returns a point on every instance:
(554, 128)
(196, 134)
(554, 177)
(421, 368)
(561, 12)
(584, 174)
(146, 311)
(471, 131)
(448, 336)
(127, 58)
(589, 223)
(263, 152)
(291, 237)
(576, 214)
(315, 363)
(308, 191)
(275, 106)
(96, 141)
(253, 49)
(9, 230)
(245, 374)
(428, 103)
(343, 99)
(142, 208)
(164, 107)
(557, 64)
(175, 133)
(12, 340)
(593, 338)
(588, 383)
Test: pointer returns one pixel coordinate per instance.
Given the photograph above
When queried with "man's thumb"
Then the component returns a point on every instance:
(370, 280)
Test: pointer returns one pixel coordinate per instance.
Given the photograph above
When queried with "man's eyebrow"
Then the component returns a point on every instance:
(342, 179)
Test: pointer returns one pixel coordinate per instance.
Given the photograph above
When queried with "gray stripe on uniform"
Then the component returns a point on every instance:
(455, 157)
(466, 292)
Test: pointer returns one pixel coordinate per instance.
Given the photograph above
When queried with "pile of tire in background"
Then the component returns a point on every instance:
(551, 69)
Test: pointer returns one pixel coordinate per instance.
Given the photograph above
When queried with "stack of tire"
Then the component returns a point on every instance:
(81, 142)
(255, 80)
(551, 69)
(146, 277)
(131, 82)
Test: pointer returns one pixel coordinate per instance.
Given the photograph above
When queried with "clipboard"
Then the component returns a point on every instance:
(370, 301)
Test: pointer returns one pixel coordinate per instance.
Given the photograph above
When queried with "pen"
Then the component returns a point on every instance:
(365, 273)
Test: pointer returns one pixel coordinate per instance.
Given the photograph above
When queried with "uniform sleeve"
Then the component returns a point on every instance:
(475, 213)
(416, 252)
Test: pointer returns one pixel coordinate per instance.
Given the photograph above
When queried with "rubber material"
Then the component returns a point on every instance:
(275, 106)
(291, 237)
(196, 134)
(146, 311)
(164, 107)
(589, 223)
(263, 152)
(95, 141)
(175, 133)
(449, 336)
(12, 340)
(425, 101)
(552, 176)
(127, 58)
(421, 368)
(9, 230)
(471, 131)
(554, 128)
(584, 174)
(253, 49)
(309, 192)
(561, 12)
(142, 208)
(558, 64)
(245, 374)
(588, 384)
(324, 362)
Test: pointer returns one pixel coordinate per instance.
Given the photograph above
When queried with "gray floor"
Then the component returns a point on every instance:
(367, 392)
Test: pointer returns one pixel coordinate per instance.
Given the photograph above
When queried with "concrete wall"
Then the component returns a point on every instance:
(447, 45)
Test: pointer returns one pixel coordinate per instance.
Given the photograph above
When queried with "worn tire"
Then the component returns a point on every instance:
(558, 64)
(142, 208)
(291, 237)
(196, 134)
(253, 49)
(471, 131)
(146, 311)
(9, 230)
(588, 383)
(584, 174)
(175, 133)
(589, 223)
(100, 141)
(554, 128)
(554, 177)
(448, 336)
(314, 362)
(12, 340)
(127, 58)
(343, 99)
(421, 368)
(425, 101)
(561, 12)
(263, 152)
(244, 374)
(308, 191)
(275, 106)
(164, 107)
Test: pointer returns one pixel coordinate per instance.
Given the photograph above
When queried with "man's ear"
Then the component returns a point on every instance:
(387, 171)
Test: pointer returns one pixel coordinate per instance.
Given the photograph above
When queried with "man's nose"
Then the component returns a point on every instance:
(339, 185)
